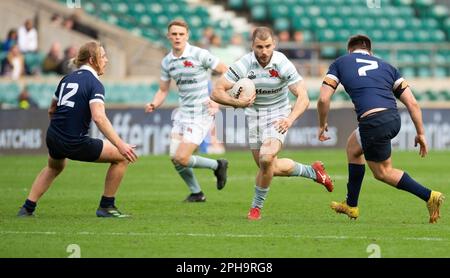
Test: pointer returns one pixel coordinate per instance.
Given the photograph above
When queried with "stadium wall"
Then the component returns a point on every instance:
(23, 131)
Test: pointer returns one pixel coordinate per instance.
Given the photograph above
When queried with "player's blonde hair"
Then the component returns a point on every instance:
(262, 33)
(178, 22)
(86, 52)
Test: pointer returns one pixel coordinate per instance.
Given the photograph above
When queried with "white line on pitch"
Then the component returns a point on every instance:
(331, 237)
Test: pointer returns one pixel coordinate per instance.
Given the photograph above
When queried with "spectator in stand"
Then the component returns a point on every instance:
(300, 52)
(66, 66)
(74, 23)
(68, 23)
(216, 48)
(56, 20)
(284, 36)
(205, 41)
(25, 100)
(53, 59)
(236, 47)
(230, 53)
(28, 37)
(283, 40)
(13, 65)
(299, 37)
(11, 40)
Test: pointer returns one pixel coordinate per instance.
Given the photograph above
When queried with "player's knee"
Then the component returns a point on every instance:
(174, 144)
(172, 158)
(353, 152)
(124, 162)
(172, 155)
(350, 154)
(266, 160)
(380, 175)
(57, 168)
(281, 171)
(119, 159)
(180, 160)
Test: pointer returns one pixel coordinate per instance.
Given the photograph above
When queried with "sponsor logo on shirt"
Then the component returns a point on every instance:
(186, 81)
(268, 92)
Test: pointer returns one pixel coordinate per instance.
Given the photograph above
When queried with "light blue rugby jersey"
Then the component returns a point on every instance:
(190, 73)
(271, 82)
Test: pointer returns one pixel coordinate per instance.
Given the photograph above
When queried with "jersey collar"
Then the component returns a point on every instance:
(269, 65)
(361, 51)
(89, 68)
(186, 52)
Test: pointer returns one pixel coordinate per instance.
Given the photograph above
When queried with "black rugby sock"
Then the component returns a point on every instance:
(408, 184)
(355, 178)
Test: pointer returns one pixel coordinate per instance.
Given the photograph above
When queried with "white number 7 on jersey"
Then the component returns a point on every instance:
(362, 71)
(64, 100)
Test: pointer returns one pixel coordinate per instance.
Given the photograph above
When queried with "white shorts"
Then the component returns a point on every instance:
(261, 126)
(193, 130)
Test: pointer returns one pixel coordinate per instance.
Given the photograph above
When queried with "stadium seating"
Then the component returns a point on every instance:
(9, 93)
(331, 22)
(116, 93)
(421, 23)
(138, 94)
(149, 19)
(33, 61)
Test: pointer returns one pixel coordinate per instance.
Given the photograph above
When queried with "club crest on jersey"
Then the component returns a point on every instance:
(251, 75)
(188, 64)
(274, 73)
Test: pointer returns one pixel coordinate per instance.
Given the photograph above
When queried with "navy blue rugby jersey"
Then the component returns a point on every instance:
(369, 81)
(74, 93)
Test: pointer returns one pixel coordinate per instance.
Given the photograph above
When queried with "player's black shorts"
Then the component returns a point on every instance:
(376, 131)
(87, 149)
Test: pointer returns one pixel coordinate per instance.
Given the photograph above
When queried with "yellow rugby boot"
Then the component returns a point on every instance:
(434, 204)
(352, 212)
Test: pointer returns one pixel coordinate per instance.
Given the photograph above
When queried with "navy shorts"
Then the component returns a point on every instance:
(376, 131)
(87, 149)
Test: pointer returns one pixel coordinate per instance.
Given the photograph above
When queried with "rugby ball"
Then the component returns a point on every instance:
(244, 87)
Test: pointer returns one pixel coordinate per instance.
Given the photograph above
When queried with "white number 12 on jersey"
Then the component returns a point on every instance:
(362, 71)
(64, 100)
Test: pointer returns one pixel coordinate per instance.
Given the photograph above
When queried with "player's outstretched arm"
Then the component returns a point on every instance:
(408, 99)
(220, 95)
(159, 97)
(104, 125)
(323, 107)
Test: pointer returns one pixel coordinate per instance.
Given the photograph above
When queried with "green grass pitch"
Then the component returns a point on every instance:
(297, 220)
